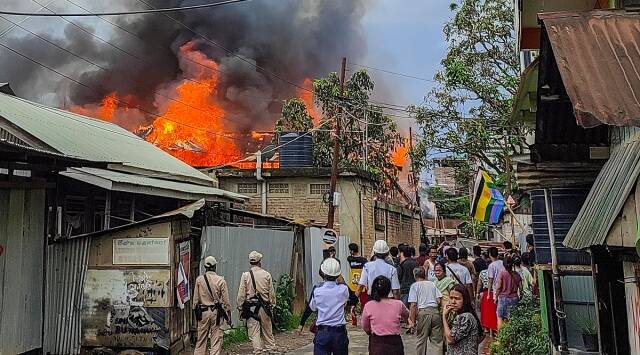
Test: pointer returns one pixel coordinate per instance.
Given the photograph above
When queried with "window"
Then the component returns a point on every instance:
(319, 189)
(247, 188)
(278, 188)
(379, 217)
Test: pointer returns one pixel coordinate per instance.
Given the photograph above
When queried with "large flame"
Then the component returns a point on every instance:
(189, 123)
(307, 97)
(191, 126)
(399, 155)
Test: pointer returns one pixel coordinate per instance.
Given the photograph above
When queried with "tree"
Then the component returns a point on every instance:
(448, 205)
(467, 114)
(355, 113)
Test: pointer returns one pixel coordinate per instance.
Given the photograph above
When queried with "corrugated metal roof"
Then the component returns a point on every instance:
(607, 197)
(90, 139)
(599, 60)
(117, 181)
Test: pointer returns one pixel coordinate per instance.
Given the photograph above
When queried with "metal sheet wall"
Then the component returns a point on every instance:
(21, 281)
(66, 267)
(231, 247)
(577, 294)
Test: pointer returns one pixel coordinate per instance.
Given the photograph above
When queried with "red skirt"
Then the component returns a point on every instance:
(488, 316)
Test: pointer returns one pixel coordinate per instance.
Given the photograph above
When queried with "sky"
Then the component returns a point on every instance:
(405, 37)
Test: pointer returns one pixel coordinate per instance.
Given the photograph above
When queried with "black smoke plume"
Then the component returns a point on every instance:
(296, 39)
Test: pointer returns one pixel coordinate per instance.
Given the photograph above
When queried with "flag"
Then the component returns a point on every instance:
(488, 203)
(182, 290)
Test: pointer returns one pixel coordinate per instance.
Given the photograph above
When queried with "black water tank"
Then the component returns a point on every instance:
(296, 150)
(566, 204)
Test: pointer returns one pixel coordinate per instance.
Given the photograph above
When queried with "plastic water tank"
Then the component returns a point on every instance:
(566, 204)
(296, 150)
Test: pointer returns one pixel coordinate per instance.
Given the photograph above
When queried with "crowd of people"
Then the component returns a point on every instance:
(445, 297)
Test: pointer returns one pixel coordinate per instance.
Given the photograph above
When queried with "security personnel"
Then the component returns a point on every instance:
(329, 300)
(256, 298)
(379, 267)
(211, 298)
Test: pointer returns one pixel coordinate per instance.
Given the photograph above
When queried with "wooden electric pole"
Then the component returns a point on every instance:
(423, 230)
(336, 150)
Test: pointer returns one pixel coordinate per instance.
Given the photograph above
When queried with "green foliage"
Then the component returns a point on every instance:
(448, 205)
(355, 111)
(234, 336)
(468, 112)
(587, 323)
(523, 333)
(283, 310)
(474, 228)
(295, 117)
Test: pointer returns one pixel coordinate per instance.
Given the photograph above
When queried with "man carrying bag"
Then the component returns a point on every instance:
(211, 305)
(256, 297)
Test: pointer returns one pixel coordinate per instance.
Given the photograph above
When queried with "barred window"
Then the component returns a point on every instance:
(278, 188)
(247, 188)
(379, 216)
(319, 189)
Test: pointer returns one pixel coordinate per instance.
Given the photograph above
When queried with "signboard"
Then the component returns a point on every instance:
(141, 251)
(329, 237)
(125, 308)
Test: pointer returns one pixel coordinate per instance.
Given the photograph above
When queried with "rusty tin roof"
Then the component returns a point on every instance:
(598, 55)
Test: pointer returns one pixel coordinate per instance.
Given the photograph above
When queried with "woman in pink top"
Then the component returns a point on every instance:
(509, 289)
(381, 319)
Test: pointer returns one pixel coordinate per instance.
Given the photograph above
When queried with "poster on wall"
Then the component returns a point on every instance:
(125, 308)
(182, 285)
(141, 251)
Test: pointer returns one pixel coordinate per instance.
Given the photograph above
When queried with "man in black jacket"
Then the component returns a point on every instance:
(405, 272)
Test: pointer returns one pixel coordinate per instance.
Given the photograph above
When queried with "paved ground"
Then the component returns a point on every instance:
(358, 343)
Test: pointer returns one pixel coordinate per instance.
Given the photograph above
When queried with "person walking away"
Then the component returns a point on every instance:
(430, 264)
(444, 283)
(329, 301)
(379, 267)
(509, 287)
(463, 259)
(488, 317)
(256, 297)
(211, 305)
(423, 252)
(405, 273)
(489, 307)
(479, 263)
(381, 319)
(464, 334)
(458, 272)
(494, 269)
(356, 264)
(424, 317)
(525, 275)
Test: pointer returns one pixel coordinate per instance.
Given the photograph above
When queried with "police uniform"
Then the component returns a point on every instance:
(258, 329)
(209, 325)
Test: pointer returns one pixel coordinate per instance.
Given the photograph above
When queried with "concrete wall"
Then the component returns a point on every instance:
(354, 217)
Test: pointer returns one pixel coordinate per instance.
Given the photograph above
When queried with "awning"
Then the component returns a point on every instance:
(526, 103)
(598, 57)
(607, 197)
(139, 184)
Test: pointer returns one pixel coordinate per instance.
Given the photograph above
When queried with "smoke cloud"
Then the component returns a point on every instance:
(296, 39)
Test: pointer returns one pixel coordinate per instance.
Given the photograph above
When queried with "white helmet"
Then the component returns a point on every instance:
(380, 247)
(330, 267)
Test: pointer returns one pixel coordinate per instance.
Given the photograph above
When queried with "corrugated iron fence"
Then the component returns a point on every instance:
(67, 267)
(231, 247)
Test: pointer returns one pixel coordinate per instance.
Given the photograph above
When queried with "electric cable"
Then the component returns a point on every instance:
(132, 12)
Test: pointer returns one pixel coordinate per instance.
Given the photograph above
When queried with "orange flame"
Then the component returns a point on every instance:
(105, 111)
(399, 155)
(307, 97)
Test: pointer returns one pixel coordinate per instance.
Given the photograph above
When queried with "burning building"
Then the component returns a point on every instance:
(196, 83)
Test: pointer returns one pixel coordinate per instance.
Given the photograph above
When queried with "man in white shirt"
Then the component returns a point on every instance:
(424, 317)
(329, 301)
(377, 268)
(493, 270)
(457, 271)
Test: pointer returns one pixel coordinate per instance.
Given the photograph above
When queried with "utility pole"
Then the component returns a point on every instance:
(423, 230)
(336, 151)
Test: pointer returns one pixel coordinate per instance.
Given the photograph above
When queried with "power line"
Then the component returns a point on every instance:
(394, 73)
(217, 70)
(104, 93)
(106, 69)
(133, 12)
(7, 30)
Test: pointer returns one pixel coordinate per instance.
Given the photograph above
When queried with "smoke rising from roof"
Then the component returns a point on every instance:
(296, 39)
